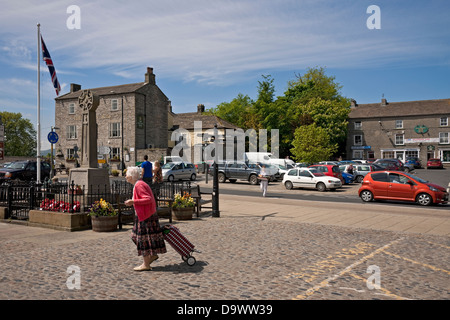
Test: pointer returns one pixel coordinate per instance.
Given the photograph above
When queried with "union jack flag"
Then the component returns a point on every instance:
(51, 68)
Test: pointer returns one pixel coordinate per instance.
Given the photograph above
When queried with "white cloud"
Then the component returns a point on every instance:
(214, 41)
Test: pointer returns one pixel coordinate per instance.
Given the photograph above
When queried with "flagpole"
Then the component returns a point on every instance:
(38, 165)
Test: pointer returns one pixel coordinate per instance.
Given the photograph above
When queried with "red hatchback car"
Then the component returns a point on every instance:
(434, 163)
(395, 185)
(329, 170)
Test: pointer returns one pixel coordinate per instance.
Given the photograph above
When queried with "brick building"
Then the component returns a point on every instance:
(130, 117)
(400, 130)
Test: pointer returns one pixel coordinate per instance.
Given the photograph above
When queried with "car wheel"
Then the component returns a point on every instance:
(424, 199)
(193, 177)
(321, 187)
(366, 196)
(407, 170)
(359, 179)
(170, 178)
(288, 185)
(221, 177)
(253, 179)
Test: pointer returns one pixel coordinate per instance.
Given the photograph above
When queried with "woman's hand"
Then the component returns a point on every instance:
(129, 203)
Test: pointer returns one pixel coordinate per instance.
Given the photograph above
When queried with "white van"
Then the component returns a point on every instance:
(267, 157)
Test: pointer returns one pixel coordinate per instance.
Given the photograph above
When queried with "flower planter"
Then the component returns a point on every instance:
(59, 220)
(105, 223)
(183, 213)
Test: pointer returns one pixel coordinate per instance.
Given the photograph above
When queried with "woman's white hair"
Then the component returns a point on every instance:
(134, 172)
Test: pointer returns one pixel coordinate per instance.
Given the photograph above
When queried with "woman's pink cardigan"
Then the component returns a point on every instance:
(144, 201)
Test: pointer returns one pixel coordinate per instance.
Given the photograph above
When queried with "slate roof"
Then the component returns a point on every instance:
(403, 109)
(186, 121)
(120, 89)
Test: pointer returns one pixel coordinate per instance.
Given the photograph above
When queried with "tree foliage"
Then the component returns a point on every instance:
(312, 144)
(20, 136)
(311, 99)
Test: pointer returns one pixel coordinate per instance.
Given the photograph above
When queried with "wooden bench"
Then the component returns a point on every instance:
(196, 194)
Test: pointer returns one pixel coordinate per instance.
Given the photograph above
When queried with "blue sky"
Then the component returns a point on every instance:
(209, 51)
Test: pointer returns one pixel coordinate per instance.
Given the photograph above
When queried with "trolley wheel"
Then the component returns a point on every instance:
(191, 261)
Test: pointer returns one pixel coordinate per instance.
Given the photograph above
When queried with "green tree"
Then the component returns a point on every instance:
(20, 136)
(312, 144)
(238, 111)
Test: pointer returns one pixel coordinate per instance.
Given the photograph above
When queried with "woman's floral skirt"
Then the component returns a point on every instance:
(148, 237)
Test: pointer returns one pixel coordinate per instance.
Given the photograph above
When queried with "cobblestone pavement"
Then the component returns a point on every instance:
(242, 257)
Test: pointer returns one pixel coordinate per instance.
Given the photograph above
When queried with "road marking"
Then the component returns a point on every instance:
(331, 263)
(326, 282)
(384, 291)
(417, 262)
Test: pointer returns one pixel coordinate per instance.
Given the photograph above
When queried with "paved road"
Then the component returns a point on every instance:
(256, 250)
(259, 249)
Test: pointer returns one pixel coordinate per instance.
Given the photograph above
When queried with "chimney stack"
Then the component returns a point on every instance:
(75, 87)
(353, 103)
(150, 76)
(200, 108)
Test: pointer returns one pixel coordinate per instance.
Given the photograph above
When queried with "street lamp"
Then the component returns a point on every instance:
(215, 198)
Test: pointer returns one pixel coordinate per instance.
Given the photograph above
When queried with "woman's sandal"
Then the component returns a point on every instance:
(142, 268)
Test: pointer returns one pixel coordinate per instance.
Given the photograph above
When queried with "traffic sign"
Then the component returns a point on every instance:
(52, 137)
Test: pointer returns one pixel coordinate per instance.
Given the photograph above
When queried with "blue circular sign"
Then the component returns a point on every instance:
(52, 137)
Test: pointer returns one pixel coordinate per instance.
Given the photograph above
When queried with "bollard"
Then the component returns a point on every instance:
(448, 188)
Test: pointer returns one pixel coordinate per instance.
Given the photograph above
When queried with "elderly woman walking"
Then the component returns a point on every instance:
(147, 233)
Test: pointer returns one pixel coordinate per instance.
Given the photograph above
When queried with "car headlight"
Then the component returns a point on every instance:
(433, 188)
(8, 175)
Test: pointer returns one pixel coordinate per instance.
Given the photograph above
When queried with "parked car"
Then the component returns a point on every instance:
(270, 169)
(390, 164)
(342, 162)
(434, 163)
(282, 170)
(348, 178)
(402, 186)
(233, 171)
(310, 178)
(414, 161)
(24, 170)
(178, 171)
(329, 170)
(333, 163)
(360, 170)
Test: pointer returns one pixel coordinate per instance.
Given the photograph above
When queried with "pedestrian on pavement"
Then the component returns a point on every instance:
(157, 178)
(147, 233)
(264, 180)
(147, 170)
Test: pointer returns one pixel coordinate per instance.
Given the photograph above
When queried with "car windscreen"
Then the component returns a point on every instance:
(168, 165)
(18, 165)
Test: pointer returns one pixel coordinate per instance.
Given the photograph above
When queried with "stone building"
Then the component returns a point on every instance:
(400, 130)
(132, 120)
(195, 127)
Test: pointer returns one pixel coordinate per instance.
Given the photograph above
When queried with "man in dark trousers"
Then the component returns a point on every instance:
(147, 170)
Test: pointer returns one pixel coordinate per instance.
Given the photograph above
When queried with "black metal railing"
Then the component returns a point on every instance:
(19, 198)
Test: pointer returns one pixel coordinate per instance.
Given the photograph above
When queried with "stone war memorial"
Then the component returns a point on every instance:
(88, 174)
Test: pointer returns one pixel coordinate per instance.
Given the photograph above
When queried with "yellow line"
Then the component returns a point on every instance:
(419, 263)
(438, 244)
(325, 282)
(385, 291)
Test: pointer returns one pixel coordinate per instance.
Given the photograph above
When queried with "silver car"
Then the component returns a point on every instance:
(178, 171)
(360, 170)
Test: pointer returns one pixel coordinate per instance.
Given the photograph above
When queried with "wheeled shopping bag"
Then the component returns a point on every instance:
(179, 242)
